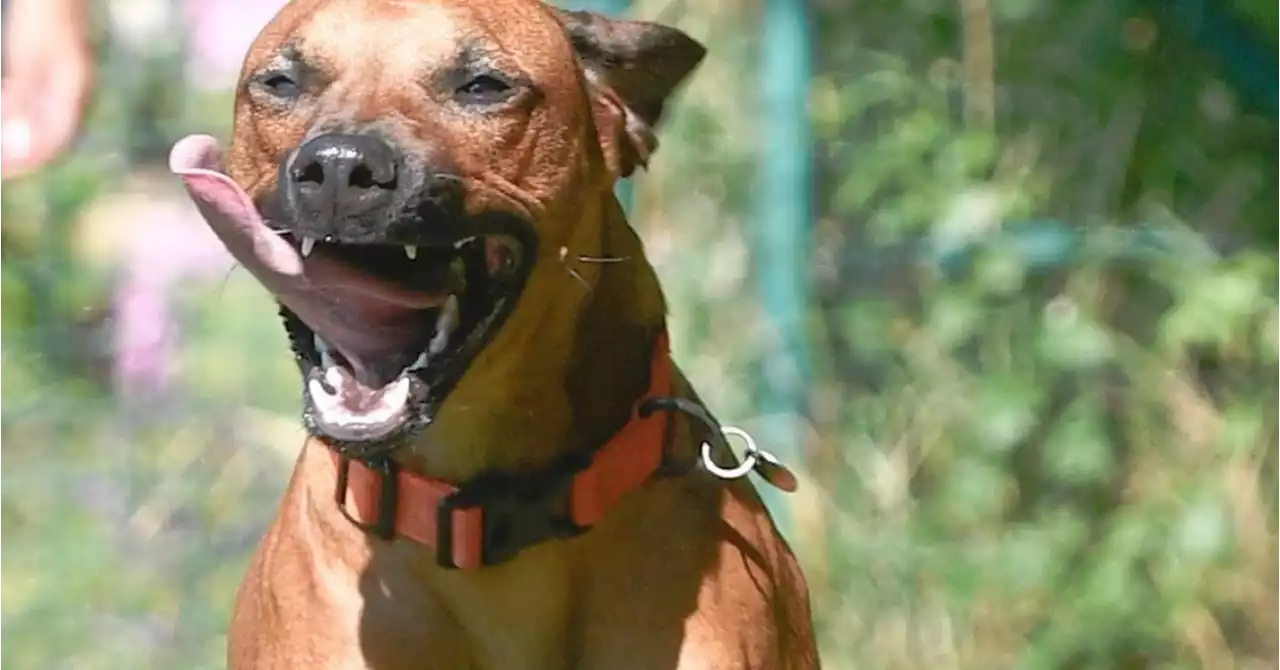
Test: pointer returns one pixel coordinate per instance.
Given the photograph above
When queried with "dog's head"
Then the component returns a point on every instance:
(414, 165)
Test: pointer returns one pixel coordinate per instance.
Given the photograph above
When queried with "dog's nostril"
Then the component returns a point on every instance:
(361, 177)
(313, 172)
(364, 177)
(347, 170)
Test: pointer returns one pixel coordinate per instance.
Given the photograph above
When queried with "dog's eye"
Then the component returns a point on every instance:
(484, 88)
(280, 85)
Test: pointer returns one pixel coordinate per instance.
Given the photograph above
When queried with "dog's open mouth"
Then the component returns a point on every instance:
(403, 321)
(381, 332)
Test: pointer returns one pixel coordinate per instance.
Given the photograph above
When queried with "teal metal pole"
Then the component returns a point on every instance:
(617, 8)
(1247, 59)
(784, 212)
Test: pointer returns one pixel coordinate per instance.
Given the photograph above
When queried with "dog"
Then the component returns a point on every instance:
(504, 467)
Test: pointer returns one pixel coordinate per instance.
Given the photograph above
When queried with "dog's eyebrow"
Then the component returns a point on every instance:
(286, 56)
(289, 57)
(479, 56)
(291, 53)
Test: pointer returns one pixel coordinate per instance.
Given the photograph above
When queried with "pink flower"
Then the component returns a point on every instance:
(173, 245)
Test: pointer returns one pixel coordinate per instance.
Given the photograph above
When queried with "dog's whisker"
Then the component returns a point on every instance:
(221, 290)
(280, 233)
(585, 284)
(564, 256)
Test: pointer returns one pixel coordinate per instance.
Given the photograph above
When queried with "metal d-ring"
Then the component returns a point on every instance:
(748, 462)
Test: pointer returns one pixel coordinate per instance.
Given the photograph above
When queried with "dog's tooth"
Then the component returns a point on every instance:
(308, 243)
(420, 363)
(333, 376)
(326, 354)
(395, 397)
(464, 242)
(445, 323)
(449, 311)
(438, 342)
(411, 251)
(319, 395)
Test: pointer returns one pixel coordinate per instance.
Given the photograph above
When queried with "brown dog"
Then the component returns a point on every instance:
(499, 477)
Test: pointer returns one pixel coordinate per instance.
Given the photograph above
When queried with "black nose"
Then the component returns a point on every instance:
(343, 175)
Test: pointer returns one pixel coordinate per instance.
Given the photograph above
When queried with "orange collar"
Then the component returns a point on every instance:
(490, 519)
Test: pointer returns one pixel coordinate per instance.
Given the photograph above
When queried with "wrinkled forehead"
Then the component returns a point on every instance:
(406, 37)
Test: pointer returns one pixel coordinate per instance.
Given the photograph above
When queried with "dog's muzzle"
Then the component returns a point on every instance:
(382, 327)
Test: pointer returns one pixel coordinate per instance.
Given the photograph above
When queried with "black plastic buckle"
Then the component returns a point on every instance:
(388, 492)
(516, 512)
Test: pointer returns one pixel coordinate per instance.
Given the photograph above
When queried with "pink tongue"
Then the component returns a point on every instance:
(375, 324)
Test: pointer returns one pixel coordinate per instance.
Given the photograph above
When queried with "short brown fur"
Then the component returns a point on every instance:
(685, 573)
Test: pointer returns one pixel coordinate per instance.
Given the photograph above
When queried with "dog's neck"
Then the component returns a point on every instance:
(567, 366)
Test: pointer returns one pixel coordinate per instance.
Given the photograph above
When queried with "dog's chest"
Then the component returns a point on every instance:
(325, 616)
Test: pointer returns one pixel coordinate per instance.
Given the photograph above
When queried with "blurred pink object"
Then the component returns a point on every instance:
(174, 245)
(171, 246)
(220, 33)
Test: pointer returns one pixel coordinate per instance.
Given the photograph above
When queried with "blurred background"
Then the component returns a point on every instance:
(997, 277)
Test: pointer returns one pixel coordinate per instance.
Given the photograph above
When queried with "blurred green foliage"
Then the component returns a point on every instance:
(1028, 450)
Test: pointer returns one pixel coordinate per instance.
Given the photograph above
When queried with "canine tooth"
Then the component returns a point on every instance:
(438, 342)
(333, 377)
(464, 242)
(321, 397)
(445, 323)
(411, 251)
(308, 243)
(326, 354)
(396, 396)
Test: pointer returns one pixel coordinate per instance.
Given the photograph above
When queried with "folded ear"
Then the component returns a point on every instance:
(633, 67)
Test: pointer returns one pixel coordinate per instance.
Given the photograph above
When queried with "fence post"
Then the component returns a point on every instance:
(1243, 53)
(784, 211)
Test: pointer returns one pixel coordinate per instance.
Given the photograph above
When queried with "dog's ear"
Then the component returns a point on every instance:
(633, 67)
